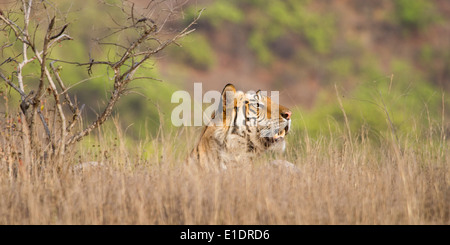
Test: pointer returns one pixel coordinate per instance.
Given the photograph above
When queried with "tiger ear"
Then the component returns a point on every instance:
(229, 87)
(228, 95)
(258, 92)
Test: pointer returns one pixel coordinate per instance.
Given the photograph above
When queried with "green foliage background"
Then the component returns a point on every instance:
(407, 94)
(410, 95)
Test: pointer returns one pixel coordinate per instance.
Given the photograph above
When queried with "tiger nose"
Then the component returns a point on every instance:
(286, 115)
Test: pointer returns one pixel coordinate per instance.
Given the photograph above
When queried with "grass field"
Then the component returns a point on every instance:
(374, 151)
(337, 181)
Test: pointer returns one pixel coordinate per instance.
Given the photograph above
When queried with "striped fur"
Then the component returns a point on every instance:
(242, 127)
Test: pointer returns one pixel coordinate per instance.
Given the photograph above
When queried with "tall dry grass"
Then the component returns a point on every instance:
(365, 182)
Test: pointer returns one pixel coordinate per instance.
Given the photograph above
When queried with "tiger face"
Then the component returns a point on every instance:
(243, 125)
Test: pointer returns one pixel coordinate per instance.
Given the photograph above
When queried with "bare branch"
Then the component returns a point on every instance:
(121, 81)
(83, 64)
(47, 130)
(60, 32)
(59, 39)
(9, 59)
(113, 44)
(128, 52)
(149, 78)
(22, 94)
(75, 118)
(64, 92)
(14, 27)
(131, 54)
(40, 90)
(63, 87)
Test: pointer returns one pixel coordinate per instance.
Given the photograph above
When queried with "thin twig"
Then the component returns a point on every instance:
(82, 63)
(63, 87)
(22, 94)
(47, 130)
(150, 78)
(121, 80)
(60, 32)
(40, 90)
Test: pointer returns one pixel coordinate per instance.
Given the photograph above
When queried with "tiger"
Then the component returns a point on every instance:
(240, 129)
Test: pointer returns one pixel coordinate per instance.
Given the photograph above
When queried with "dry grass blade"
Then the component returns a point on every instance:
(368, 186)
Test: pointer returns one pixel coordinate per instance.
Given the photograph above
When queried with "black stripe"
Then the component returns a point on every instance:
(250, 145)
(198, 154)
(235, 118)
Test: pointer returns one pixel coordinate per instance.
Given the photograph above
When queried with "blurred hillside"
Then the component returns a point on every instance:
(376, 52)
(301, 47)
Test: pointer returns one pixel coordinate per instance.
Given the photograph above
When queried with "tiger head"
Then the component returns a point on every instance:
(254, 117)
(244, 124)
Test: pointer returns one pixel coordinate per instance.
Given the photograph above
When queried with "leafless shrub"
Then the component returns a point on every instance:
(37, 27)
